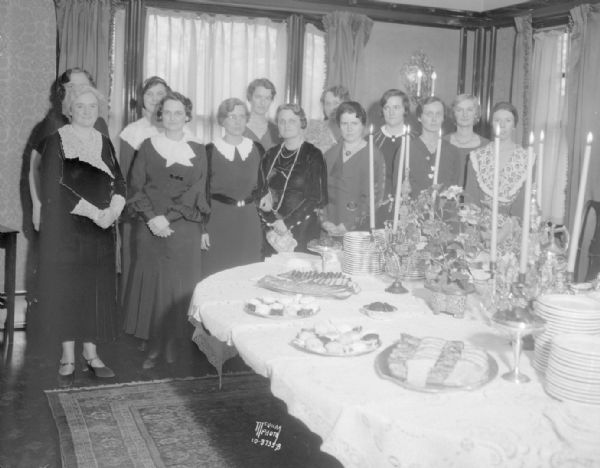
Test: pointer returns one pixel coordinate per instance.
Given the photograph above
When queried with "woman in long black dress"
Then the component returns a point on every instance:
(234, 226)
(82, 194)
(168, 200)
(292, 182)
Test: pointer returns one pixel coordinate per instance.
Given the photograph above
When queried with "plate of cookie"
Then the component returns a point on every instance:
(287, 308)
(341, 340)
(433, 364)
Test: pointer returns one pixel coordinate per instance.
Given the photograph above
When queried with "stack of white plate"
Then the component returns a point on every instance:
(564, 314)
(361, 256)
(573, 371)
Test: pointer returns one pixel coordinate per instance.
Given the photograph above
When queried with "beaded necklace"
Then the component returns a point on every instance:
(286, 177)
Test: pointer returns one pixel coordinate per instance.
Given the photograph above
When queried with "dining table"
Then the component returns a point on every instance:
(364, 418)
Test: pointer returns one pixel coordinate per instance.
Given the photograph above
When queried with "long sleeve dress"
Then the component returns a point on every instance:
(348, 186)
(77, 257)
(130, 138)
(234, 227)
(297, 181)
(167, 178)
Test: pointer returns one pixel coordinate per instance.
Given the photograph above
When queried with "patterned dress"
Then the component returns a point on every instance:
(480, 180)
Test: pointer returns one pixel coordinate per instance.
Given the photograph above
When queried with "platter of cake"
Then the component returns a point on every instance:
(341, 340)
(311, 283)
(287, 308)
(433, 364)
(379, 310)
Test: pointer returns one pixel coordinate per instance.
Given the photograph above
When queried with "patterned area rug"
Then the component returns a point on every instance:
(182, 423)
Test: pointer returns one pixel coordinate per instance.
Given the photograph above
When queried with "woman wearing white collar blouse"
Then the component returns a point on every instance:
(168, 201)
(234, 230)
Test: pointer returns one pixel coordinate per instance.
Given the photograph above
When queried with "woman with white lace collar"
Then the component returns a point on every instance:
(169, 206)
(513, 165)
(82, 194)
(233, 160)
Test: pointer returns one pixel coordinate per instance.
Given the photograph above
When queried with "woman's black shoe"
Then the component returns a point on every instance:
(103, 372)
(66, 380)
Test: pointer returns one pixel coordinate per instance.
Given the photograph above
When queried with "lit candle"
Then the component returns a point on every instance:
(419, 78)
(436, 168)
(576, 231)
(407, 167)
(495, 188)
(371, 182)
(433, 78)
(399, 181)
(527, 210)
(540, 170)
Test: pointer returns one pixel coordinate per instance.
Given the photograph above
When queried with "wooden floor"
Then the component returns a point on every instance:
(28, 435)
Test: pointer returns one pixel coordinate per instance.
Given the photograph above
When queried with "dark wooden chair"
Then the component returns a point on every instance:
(8, 241)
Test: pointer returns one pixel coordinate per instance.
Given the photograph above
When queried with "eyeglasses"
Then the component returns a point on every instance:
(396, 108)
(234, 117)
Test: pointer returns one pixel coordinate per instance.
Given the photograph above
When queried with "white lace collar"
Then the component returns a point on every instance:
(511, 177)
(228, 150)
(173, 151)
(89, 151)
(136, 132)
(386, 133)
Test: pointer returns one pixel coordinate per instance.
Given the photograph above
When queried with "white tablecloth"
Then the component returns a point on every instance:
(366, 421)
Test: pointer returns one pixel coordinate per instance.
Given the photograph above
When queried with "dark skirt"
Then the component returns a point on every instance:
(235, 237)
(163, 275)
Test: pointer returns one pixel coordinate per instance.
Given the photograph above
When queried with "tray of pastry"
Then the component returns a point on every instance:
(287, 308)
(433, 364)
(340, 340)
(311, 283)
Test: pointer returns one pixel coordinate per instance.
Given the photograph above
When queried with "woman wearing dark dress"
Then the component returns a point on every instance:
(168, 199)
(467, 112)
(431, 113)
(395, 107)
(234, 230)
(54, 120)
(82, 195)
(132, 136)
(260, 95)
(348, 174)
(292, 182)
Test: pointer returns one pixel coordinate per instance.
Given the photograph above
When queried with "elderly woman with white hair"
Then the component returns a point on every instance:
(467, 112)
(82, 195)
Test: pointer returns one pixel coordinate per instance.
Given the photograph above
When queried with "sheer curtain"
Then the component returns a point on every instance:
(313, 71)
(347, 36)
(213, 57)
(584, 102)
(521, 81)
(84, 35)
(547, 111)
(117, 82)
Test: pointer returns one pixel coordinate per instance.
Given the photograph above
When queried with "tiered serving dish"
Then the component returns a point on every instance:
(361, 255)
(564, 314)
(573, 371)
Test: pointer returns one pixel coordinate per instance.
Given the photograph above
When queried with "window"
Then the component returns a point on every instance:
(313, 71)
(210, 58)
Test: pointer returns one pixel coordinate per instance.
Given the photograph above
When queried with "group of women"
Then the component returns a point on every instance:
(187, 211)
